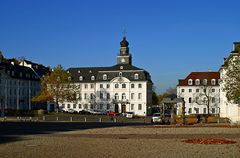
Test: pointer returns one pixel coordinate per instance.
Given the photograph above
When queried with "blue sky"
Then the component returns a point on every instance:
(168, 38)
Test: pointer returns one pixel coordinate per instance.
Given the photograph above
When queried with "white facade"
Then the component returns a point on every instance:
(228, 109)
(197, 95)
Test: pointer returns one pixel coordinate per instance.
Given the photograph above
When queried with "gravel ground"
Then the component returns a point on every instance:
(124, 142)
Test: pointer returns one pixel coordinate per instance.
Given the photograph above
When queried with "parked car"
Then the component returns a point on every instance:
(129, 114)
(156, 118)
(111, 113)
(71, 111)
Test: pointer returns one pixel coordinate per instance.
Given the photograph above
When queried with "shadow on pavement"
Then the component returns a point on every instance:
(12, 131)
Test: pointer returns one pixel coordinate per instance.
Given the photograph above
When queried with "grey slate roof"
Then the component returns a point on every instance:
(127, 70)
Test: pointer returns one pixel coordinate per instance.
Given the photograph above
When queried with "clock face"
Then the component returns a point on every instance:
(122, 60)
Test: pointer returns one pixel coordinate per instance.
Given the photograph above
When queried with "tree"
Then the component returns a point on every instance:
(232, 81)
(207, 96)
(57, 87)
(155, 100)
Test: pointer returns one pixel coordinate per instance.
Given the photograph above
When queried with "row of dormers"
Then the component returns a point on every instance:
(212, 82)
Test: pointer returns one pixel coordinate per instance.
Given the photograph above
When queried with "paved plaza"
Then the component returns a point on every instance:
(27, 140)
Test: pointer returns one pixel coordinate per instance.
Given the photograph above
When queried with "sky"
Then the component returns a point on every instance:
(168, 38)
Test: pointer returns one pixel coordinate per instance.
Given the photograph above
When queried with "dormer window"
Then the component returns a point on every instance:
(79, 71)
(104, 77)
(190, 82)
(90, 71)
(69, 78)
(136, 76)
(92, 78)
(13, 73)
(205, 82)
(80, 78)
(197, 82)
(68, 72)
(120, 74)
(213, 82)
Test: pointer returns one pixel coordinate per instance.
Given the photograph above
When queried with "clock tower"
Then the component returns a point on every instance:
(124, 56)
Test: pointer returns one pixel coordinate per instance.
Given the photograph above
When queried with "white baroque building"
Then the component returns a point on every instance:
(119, 88)
(198, 89)
(228, 109)
(19, 82)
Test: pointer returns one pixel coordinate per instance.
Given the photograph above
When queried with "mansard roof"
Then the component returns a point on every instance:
(201, 76)
(127, 70)
(22, 72)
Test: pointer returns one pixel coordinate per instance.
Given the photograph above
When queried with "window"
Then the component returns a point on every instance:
(80, 78)
(116, 96)
(213, 110)
(190, 110)
(204, 110)
(101, 106)
(85, 106)
(190, 90)
(92, 78)
(12, 73)
(69, 78)
(139, 95)
(132, 106)
(108, 85)
(92, 86)
(132, 95)
(190, 100)
(101, 95)
(108, 106)
(190, 82)
(197, 90)
(108, 95)
(197, 82)
(79, 71)
(132, 85)
(86, 86)
(213, 81)
(124, 96)
(197, 110)
(139, 85)
(68, 106)
(213, 100)
(80, 106)
(124, 85)
(205, 81)
(120, 74)
(105, 77)
(136, 77)
(204, 90)
(182, 90)
(139, 106)
(85, 95)
(74, 106)
(20, 74)
(213, 90)
(63, 105)
(116, 85)
(92, 96)
(101, 85)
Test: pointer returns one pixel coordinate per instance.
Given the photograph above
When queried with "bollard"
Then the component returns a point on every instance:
(85, 119)
(57, 118)
(44, 118)
(71, 119)
(100, 119)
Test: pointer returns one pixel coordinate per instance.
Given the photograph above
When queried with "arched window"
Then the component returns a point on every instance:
(190, 82)
(213, 82)
(105, 77)
(116, 96)
(123, 96)
(197, 82)
(136, 76)
(116, 85)
(124, 85)
(205, 81)
(120, 74)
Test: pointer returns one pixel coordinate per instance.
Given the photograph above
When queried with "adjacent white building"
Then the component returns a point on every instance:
(228, 109)
(19, 82)
(119, 88)
(198, 90)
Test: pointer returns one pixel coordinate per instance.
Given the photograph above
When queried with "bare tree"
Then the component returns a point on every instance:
(206, 96)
